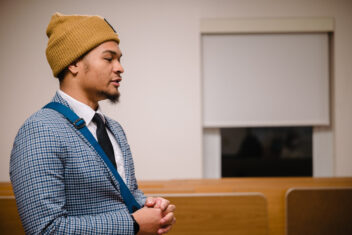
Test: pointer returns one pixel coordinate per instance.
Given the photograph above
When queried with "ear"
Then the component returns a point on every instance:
(74, 68)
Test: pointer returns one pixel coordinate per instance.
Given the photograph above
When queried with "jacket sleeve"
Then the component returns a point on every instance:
(37, 175)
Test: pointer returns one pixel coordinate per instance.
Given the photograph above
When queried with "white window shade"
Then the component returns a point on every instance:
(265, 80)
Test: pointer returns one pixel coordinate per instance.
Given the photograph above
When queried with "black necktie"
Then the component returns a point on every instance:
(103, 138)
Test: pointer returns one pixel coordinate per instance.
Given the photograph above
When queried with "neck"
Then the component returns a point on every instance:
(78, 95)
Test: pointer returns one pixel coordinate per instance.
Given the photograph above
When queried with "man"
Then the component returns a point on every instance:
(61, 184)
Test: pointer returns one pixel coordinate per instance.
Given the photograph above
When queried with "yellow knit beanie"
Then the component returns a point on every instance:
(71, 36)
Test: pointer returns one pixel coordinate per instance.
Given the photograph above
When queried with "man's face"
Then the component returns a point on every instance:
(101, 72)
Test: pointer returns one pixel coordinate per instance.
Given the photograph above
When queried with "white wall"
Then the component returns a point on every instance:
(160, 106)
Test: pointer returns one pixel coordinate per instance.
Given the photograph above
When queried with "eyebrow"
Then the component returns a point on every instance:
(111, 52)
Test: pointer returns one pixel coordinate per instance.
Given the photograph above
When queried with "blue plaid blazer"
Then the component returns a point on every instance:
(61, 184)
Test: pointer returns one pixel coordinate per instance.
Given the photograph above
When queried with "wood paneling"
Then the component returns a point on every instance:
(320, 211)
(274, 189)
(9, 220)
(6, 189)
(236, 213)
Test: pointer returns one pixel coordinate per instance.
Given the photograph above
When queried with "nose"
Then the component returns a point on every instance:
(118, 67)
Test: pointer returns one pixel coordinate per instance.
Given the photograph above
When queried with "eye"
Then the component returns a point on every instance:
(108, 59)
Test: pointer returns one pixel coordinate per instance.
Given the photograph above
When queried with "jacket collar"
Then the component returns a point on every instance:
(57, 98)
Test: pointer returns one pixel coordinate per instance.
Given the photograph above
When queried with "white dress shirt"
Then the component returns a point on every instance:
(87, 113)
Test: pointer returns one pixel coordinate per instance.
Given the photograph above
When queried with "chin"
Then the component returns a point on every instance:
(113, 97)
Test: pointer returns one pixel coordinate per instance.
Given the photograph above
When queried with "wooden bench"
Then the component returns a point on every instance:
(9, 220)
(232, 213)
(5, 189)
(239, 213)
(273, 188)
(319, 211)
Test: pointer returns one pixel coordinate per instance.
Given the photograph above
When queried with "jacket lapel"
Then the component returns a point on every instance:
(119, 136)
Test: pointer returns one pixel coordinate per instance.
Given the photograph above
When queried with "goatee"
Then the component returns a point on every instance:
(113, 98)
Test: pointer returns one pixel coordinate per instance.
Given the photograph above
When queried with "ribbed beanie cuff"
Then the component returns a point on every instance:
(71, 36)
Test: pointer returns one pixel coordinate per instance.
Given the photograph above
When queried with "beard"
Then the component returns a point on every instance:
(112, 98)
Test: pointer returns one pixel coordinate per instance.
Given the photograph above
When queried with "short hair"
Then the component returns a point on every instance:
(61, 75)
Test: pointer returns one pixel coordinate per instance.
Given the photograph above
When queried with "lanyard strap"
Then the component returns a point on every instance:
(80, 125)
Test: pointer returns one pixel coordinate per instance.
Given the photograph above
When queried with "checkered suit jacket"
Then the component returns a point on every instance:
(61, 184)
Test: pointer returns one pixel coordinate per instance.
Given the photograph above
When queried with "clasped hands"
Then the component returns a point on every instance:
(156, 217)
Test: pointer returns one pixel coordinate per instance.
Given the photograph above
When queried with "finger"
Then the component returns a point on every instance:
(164, 204)
(158, 202)
(167, 219)
(170, 208)
(164, 230)
(150, 202)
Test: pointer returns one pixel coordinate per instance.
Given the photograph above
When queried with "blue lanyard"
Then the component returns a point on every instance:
(80, 125)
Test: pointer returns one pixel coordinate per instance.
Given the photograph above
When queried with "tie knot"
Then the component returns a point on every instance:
(98, 120)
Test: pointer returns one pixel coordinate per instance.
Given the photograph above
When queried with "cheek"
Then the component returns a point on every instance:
(102, 78)
(96, 76)
(104, 75)
(99, 76)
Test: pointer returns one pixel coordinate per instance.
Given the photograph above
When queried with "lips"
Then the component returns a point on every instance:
(116, 82)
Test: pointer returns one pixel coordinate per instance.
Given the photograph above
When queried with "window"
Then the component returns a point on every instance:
(277, 151)
(272, 74)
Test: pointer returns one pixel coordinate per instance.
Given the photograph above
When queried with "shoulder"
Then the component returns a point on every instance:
(43, 121)
(39, 136)
(45, 117)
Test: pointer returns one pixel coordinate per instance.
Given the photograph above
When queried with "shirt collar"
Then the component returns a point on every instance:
(82, 110)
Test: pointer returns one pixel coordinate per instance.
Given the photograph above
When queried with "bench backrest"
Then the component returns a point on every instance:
(9, 219)
(319, 211)
(234, 213)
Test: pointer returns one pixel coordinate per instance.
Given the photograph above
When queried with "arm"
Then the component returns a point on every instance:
(37, 175)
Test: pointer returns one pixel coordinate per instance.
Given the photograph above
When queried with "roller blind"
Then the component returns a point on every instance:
(265, 79)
